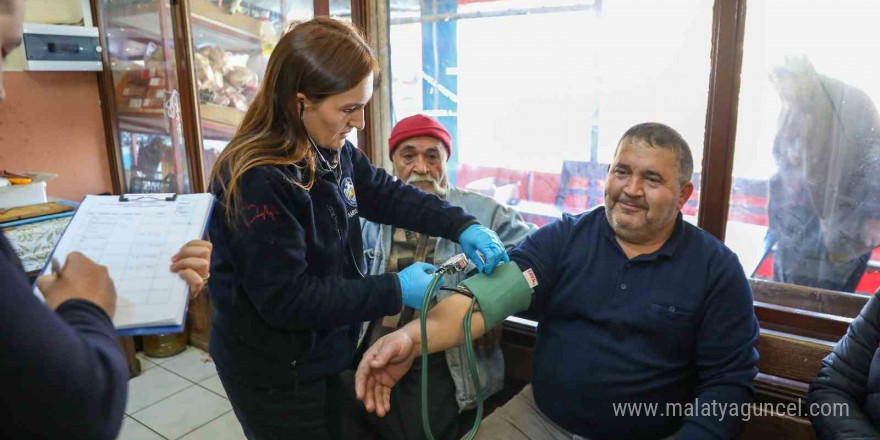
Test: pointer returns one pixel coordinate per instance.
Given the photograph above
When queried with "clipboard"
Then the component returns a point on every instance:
(168, 197)
(135, 236)
(166, 330)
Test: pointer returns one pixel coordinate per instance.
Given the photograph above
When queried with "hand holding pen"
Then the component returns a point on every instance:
(79, 278)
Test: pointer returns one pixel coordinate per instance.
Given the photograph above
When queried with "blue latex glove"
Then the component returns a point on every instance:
(414, 281)
(479, 238)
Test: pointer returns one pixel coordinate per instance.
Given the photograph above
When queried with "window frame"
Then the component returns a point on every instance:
(821, 314)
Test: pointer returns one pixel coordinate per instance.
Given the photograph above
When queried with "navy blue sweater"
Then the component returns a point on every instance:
(287, 287)
(62, 373)
(674, 326)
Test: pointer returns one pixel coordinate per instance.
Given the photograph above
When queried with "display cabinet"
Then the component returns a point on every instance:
(231, 43)
(180, 74)
(141, 96)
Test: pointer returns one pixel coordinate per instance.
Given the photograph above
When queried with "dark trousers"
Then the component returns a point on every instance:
(404, 421)
(309, 409)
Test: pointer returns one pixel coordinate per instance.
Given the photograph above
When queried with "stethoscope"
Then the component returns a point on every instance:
(337, 175)
(332, 168)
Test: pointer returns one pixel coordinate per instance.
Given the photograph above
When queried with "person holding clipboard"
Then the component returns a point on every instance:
(64, 373)
(62, 358)
(287, 279)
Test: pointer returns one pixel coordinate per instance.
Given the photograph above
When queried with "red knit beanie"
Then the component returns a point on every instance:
(418, 125)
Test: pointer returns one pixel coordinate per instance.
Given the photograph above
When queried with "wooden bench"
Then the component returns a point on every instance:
(787, 366)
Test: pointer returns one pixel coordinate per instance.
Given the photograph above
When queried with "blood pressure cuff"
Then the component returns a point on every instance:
(507, 291)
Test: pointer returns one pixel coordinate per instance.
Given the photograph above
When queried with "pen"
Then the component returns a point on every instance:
(56, 268)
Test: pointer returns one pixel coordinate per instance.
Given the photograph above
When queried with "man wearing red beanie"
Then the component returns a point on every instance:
(418, 126)
(420, 148)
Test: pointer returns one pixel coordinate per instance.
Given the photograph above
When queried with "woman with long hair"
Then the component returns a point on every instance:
(287, 279)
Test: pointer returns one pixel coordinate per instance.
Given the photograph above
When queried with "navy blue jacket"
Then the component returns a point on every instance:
(844, 400)
(674, 326)
(288, 288)
(62, 373)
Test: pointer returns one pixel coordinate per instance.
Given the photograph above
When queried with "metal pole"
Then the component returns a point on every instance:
(86, 9)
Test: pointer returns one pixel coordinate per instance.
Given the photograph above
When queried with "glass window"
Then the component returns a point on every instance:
(140, 44)
(804, 206)
(341, 10)
(537, 93)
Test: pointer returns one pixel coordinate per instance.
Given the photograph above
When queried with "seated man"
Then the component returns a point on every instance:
(849, 382)
(646, 324)
(420, 148)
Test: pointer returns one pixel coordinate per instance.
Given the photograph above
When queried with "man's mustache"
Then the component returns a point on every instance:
(634, 202)
(416, 177)
(437, 188)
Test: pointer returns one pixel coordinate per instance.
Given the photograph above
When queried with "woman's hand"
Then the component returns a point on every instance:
(382, 366)
(480, 238)
(414, 282)
(192, 262)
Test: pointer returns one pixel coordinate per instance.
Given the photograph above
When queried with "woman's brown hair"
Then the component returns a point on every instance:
(318, 58)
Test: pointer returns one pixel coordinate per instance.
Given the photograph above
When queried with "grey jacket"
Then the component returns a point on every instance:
(511, 229)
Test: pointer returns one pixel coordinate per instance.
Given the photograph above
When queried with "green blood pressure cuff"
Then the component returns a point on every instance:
(507, 291)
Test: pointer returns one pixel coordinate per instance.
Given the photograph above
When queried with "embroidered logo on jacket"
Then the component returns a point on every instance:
(261, 212)
(347, 189)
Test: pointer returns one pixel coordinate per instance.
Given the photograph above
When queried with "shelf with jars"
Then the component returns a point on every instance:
(142, 17)
(224, 43)
(227, 73)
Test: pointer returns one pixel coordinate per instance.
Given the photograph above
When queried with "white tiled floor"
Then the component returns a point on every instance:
(178, 397)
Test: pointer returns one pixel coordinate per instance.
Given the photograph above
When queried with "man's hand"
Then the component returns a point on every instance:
(192, 262)
(80, 278)
(382, 366)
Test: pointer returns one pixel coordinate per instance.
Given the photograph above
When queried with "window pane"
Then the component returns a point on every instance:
(341, 10)
(804, 207)
(138, 38)
(526, 87)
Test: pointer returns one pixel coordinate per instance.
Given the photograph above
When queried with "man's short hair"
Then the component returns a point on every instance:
(663, 136)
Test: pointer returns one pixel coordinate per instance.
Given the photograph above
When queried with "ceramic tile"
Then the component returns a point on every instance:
(213, 383)
(183, 412)
(152, 386)
(193, 364)
(223, 428)
(132, 430)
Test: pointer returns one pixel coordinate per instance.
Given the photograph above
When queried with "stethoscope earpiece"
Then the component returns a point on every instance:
(314, 145)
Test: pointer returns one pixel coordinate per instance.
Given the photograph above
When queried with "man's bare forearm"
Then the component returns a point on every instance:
(444, 324)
